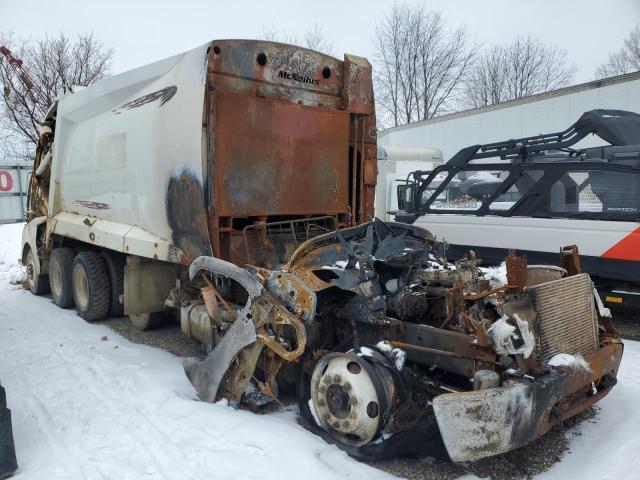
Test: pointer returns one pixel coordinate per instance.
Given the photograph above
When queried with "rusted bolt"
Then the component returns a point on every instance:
(337, 379)
(322, 389)
(321, 402)
(346, 424)
(336, 425)
(353, 401)
(126, 248)
(347, 386)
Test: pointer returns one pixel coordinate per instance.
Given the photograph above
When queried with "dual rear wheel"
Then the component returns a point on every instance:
(81, 280)
(93, 282)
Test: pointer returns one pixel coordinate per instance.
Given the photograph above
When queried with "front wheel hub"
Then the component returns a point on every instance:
(351, 397)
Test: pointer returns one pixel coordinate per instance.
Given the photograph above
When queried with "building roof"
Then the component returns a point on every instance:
(628, 77)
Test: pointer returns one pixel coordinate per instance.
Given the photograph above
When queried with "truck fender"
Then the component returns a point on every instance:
(207, 374)
(30, 241)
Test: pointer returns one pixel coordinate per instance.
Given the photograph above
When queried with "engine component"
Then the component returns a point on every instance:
(352, 395)
(408, 304)
(484, 379)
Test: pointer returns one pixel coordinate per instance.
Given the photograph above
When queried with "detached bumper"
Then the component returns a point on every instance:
(488, 422)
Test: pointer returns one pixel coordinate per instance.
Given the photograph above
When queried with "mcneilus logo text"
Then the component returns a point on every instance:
(298, 78)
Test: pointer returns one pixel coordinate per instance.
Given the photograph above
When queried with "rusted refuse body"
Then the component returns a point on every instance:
(230, 189)
(392, 351)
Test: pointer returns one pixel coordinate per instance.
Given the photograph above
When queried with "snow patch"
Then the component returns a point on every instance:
(602, 310)
(312, 408)
(392, 285)
(573, 362)
(497, 276)
(504, 333)
(10, 252)
(365, 352)
(396, 355)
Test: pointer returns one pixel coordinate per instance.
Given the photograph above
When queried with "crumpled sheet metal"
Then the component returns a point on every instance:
(260, 310)
(207, 374)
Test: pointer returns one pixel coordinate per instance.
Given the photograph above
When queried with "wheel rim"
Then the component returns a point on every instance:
(55, 279)
(345, 399)
(31, 269)
(80, 288)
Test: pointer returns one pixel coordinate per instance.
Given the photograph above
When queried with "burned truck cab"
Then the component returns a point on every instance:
(396, 351)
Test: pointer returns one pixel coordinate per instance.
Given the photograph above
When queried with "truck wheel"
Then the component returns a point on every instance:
(38, 284)
(149, 321)
(60, 273)
(91, 290)
(115, 266)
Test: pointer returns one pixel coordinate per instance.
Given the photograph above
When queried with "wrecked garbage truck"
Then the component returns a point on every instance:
(230, 189)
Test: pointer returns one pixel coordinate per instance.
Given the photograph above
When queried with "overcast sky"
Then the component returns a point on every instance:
(146, 30)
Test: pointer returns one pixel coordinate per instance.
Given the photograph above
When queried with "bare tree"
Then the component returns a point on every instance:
(313, 38)
(626, 60)
(522, 68)
(51, 64)
(420, 63)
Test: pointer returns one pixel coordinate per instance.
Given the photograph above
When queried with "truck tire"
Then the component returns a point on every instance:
(8, 464)
(149, 321)
(38, 284)
(91, 290)
(60, 273)
(115, 266)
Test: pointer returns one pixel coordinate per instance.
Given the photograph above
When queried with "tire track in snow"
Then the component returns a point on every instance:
(46, 423)
(162, 461)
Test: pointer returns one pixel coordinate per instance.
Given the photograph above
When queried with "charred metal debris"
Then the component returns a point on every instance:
(391, 351)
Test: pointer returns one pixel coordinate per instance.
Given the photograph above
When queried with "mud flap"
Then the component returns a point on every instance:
(207, 374)
(8, 464)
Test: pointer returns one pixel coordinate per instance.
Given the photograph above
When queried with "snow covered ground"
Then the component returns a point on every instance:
(89, 404)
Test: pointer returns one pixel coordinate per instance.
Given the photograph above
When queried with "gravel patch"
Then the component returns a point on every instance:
(168, 337)
(627, 321)
(523, 463)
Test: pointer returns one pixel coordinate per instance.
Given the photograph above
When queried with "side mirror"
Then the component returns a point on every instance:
(406, 193)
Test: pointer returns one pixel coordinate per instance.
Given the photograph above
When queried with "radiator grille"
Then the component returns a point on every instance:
(566, 320)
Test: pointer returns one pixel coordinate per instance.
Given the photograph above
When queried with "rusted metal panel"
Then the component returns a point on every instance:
(570, 259)
(516, 271)
(358, 91)
(278, 158)
(288, 71)
(286, 138)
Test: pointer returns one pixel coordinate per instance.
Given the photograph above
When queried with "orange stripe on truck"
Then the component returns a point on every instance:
(626, 249)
